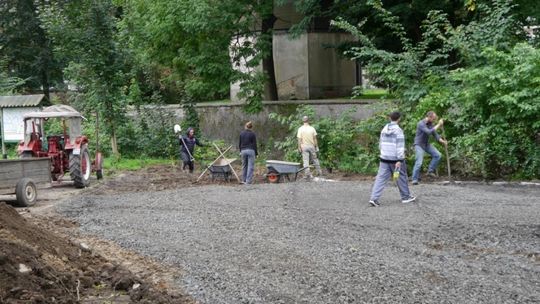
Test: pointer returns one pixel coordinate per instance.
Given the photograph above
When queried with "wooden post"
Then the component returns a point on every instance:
(4, 155)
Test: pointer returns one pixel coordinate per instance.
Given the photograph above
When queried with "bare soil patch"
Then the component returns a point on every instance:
(40, 265)
(166, 177)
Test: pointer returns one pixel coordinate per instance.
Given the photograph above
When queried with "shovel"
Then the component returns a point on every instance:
(178, 129)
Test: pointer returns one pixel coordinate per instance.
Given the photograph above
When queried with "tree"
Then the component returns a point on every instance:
(480, 75)
(85, 35)
(196, 46)
(27, 48)
(185, 42)
(8, 83)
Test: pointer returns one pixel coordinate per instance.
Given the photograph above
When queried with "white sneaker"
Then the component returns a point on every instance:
(374, 203)
(409, 200)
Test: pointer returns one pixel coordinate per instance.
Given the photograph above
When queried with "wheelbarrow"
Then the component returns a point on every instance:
(221, 168)
(280, 170)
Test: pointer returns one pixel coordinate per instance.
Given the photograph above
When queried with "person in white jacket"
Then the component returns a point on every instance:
(392, 159)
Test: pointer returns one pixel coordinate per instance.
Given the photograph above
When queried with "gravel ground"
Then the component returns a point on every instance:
(321, 243)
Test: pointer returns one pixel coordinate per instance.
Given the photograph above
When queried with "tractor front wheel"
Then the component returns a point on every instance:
(80, 167)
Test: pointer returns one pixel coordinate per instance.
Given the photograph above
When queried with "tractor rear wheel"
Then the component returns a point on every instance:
(80, 167)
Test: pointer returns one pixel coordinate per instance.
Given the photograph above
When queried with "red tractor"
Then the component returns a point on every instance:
(68, 151)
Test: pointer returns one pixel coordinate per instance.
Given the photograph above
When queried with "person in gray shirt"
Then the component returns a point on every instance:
(424, 129)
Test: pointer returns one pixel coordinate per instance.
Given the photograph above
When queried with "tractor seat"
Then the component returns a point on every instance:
(59, 138)
(55, 143)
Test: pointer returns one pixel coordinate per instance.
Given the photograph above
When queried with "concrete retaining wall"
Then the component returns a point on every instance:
(225, 121)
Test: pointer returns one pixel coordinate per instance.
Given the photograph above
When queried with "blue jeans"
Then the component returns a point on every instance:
(248, 165)
(419, 154)
(384, 174)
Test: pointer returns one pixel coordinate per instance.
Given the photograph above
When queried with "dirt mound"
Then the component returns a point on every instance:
(37, 266)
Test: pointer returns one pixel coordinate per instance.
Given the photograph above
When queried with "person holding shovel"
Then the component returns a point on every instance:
(308, 146)
(424, 129)
(187, 149)
(392, 162)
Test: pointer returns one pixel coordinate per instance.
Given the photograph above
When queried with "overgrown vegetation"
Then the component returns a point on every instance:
(468, 60)
(113, 164)
(343, 144)
(481, 76)
(8, 83)
(84, 33)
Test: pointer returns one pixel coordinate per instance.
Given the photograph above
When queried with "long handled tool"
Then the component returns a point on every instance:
(446, 152)
(178, 129)
(221, 153)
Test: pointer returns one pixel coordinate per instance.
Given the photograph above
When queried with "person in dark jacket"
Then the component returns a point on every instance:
(187, 148)
(248, 151)
(425, 129)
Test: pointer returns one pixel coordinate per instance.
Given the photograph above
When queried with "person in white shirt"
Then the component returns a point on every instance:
(308, 146)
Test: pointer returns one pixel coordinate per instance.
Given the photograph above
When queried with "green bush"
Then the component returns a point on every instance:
(342, 141)
(494, 113)
(149, 134)
(482, 77)
(207, 154)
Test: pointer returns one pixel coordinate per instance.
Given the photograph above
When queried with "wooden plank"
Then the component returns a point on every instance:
(22, 169)
(25, 173)
(11, 189)
(26, 160)
(18, 170)
(12, 170)
(43, 161)
(40, 182)
(36, 178)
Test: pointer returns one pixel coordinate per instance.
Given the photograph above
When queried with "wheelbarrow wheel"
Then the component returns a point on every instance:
(273, 177)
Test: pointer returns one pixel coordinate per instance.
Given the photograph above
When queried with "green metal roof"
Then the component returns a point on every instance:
(21, 101)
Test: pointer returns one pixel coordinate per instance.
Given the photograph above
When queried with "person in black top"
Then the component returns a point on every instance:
(248, 152)
(187, 148)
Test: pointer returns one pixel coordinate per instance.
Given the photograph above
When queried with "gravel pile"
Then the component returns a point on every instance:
(321, 243)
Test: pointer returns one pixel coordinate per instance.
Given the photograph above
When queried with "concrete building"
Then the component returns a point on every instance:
(308, 66)
(12, 110)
